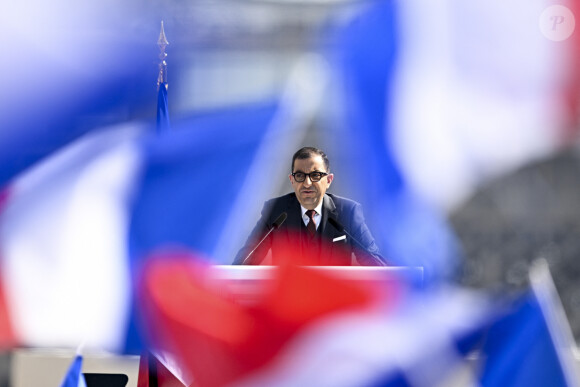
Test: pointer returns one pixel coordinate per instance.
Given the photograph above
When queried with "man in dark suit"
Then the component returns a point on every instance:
(307, 236)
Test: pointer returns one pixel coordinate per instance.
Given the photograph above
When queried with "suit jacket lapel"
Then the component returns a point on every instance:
(328, 209)
(338, 255)
(294, 214)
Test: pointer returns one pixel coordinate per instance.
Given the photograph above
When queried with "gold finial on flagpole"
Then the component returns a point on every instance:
(162, 43)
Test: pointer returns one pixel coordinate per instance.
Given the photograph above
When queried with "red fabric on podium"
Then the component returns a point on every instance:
(220, 341)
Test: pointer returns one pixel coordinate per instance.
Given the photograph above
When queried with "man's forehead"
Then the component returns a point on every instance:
(309, 164)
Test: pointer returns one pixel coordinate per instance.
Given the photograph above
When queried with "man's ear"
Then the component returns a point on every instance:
(290, 177)
(329, 178)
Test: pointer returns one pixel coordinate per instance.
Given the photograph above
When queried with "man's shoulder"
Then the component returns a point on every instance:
(341, 201)
(280, 203)
(281, 200)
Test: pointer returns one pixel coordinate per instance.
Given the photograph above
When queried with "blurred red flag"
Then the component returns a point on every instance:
(218, 340)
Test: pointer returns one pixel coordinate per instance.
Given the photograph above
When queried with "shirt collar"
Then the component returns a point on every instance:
(318, 209)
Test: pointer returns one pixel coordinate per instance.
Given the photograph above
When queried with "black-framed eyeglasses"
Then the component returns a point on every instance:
(314, 176)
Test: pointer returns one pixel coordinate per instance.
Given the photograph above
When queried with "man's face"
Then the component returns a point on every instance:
(310, 193)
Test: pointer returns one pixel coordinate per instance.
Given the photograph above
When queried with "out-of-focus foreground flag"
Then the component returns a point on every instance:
(69, 224)
(190, 182)
(74, 376)
(304, 326)
(439, 97)
(532, 346)
(65, 224)
(54, 96)
(51, 99)
(64, 272)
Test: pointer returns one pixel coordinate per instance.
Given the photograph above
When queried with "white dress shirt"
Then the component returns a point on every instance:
(316, 216)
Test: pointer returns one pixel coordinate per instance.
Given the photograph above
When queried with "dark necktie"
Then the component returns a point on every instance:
(311, 226)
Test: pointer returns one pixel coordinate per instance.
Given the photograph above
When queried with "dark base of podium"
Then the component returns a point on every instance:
(106, 380)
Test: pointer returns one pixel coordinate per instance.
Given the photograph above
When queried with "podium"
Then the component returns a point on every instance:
(244, 283)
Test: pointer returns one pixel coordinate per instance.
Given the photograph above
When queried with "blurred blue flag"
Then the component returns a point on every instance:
(193, 177)
(191, 189)
(162, 109)
(532, 346)
(526, 342)
(63, 227)
(203, 183)
(41, 113)
(521, 352)
(407, 230)
(74, 376)
(182, 190)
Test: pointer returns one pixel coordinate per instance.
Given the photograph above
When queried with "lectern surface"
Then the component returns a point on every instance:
(245, 284)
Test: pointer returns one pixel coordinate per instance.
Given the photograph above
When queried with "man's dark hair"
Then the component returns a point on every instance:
(308, 152)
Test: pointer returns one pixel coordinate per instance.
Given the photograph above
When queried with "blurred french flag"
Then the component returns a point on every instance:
(294, 333)
(533, 343)
(64, 272)
(436, 99)
(480, 89)
(74, 226)
(306, 327)
(65, 223)
(59, 232)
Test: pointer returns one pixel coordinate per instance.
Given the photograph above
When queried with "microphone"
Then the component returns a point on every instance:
(341, 228)
(277, 223)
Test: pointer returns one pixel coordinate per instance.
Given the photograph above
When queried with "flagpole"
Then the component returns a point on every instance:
(162, 43)
(163, 124)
